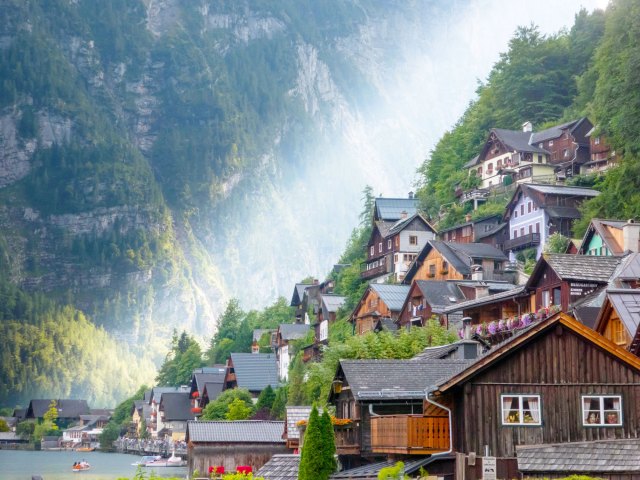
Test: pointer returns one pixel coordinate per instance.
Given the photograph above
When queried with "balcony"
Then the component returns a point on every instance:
(381, 269)
(525, 241)
(409, 434)
(348, 439)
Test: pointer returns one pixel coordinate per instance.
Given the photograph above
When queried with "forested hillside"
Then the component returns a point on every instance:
(591, 70)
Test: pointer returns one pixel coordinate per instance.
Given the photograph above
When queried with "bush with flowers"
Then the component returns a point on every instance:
(510, 324)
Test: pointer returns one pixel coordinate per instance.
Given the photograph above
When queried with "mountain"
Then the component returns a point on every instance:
(158, 157)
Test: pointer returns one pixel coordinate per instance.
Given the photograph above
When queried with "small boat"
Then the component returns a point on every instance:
(172, 461)
(146, 459)
(80, 467)
(85, 449)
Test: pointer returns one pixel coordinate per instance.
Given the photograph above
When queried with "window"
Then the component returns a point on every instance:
(520, 409)
(373, 250)
(616, 332)
(600, 410)
(565, 152)
(530, 229)
(596, 141)
(557, 296)
(528, 207)
(551, 143)
(398, 241)
(522, 209)
(545, 298)
(521, 231)
(515, 234)
(515, 214)
(539, 158)
(389, 244)
(432, 270)
(538, 227)
(445, 267)
(380, 247)
(395, 258)
(413, 240)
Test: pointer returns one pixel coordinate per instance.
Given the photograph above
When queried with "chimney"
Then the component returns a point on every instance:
(411, 195)
(527, 127)
(466, 327)
(482, 290)
(403, 215)
(477, 273)
(631, 236)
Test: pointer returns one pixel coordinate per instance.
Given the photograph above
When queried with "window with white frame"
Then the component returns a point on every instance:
(520, 410)
(372, 250)
(380, 247)
(601, 410)
(413, 240)
(389, 244)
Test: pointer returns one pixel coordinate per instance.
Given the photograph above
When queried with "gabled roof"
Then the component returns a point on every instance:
(588, 268)
(598, 456)
(601, 227)
(517, 140)
(544, 189)
(401, 224)
(626, 302)
(444, 352)
(258, 332)
(331, 303)
(254, 371)
(157, 392)
(293, 331)
(66, 408)
(176, 406)
(473, 162)
(629, 269)
(556, 131)
(391, 379)
(521, 338)
(391, 209)
(439, 294)
(201, 378)
(393, 296)
(242, 431)
(298, 293)
(280, 467)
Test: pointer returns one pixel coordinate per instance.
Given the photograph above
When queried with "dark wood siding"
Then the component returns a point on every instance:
(560, 367)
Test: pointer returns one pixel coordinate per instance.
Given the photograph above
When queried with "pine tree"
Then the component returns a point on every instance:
(329, 440)
(317, 461)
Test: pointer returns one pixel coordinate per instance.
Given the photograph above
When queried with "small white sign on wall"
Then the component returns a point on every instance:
(489, 470)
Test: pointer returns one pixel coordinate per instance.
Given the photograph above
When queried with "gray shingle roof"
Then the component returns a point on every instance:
(254, 371)
(485, 300)
(629, 268)
(242, 431)
(293, 331)
(213, 390)
(331, 303)
(604, 456)
(294, 415)
(280, 467)
(371, 379)
(298, 293)
(627, 304)
(460, 255)
(564, 190)
(66, 408)
(156, 394)
(176, 406)
(517, 140)
(393, 296)
(553, 132)
(562, 212)
(582, 267)
(471, 163)
(202, 378)
(392, 208)
(403, 223)
(440, 294)
(258, 332)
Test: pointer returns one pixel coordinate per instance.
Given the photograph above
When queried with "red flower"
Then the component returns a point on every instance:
(244, 469)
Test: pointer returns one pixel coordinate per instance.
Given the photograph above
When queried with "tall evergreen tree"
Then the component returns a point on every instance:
(312, 460)
(329, 445)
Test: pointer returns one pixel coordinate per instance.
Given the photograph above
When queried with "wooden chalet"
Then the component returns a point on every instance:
(619, 318)
(603, 157)
(299, 302)
(69, 410)
(562, 279)
(327, 312)
(426, 299)
(557, 382)
(490, 230)
(174, 411)
(399, 233)
(199, 379)
(385, 412)
(536, 211)
(505, 304)
(610, 237)
(379, 301)
(232, 444)
(459, 261)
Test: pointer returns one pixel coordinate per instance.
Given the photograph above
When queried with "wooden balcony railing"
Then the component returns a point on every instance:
(409, 434)
(348, 439)
(381, 269)
(525, 241)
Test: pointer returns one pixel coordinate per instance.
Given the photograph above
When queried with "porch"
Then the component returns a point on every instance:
(409, 434)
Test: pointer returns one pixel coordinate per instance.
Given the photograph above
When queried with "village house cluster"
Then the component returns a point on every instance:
(543, 382)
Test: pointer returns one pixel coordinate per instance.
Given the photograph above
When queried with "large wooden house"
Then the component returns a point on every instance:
(603, 157)
(425, 299)
(554, 384)
(399, 233)
(490, 230)
(253, 371)
(563, 279)
(535, 212)
(458, 261)
(379, 302)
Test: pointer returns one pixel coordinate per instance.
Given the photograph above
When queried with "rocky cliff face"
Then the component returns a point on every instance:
(166, 161)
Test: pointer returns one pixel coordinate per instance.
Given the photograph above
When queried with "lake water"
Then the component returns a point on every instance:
(21, 465)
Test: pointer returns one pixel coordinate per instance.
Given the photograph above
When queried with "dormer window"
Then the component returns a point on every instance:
(551, 143)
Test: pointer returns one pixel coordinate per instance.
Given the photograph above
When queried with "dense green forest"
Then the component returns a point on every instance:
(590, 70)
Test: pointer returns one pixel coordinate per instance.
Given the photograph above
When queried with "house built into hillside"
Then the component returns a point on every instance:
(379, 302)
(610, 237)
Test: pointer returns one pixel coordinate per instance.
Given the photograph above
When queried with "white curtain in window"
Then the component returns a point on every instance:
(534, 405)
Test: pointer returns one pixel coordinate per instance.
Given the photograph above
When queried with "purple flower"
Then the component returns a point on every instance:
(461, 333)
(479, 330)
(492, 328)
(502, 325)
